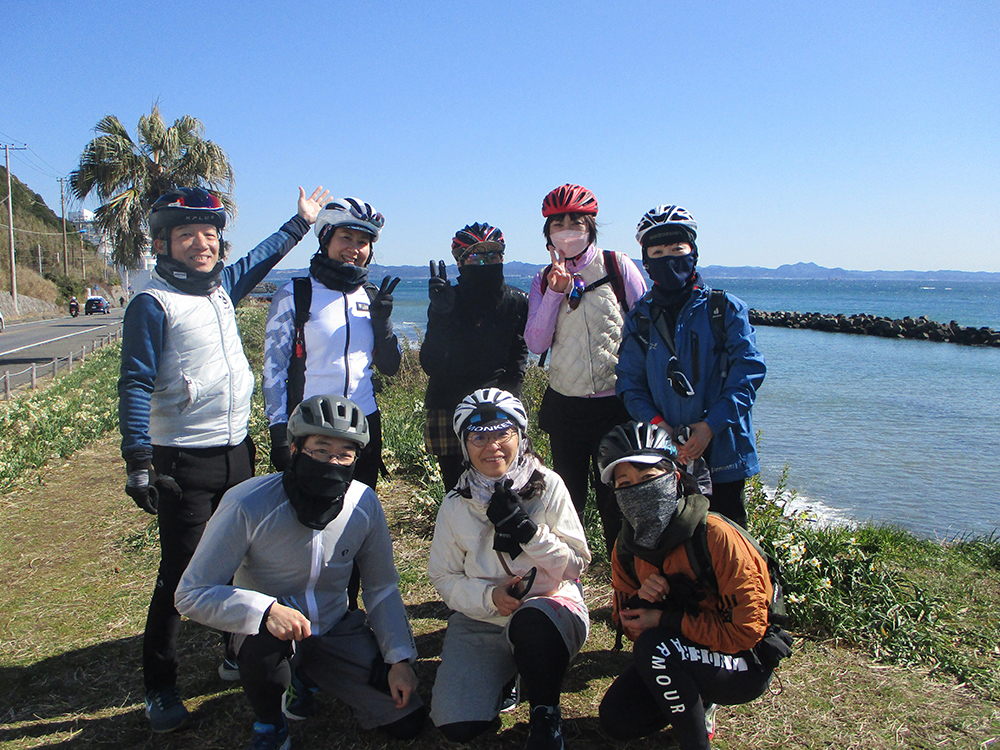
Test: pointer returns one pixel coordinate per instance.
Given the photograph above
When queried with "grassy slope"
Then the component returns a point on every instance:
(77, 561)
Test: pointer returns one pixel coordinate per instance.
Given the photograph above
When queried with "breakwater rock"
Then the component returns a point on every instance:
(873, 325)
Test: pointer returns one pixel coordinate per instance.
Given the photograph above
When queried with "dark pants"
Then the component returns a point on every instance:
(452, 468)
(669, 681)
(727, 499)
(203, 475)
(370, 460)
(575, 427)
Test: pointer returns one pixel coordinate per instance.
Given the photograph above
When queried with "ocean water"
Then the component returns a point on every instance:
(892, 431)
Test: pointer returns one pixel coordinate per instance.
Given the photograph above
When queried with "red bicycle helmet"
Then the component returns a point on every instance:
(475, 234)
(569, 199)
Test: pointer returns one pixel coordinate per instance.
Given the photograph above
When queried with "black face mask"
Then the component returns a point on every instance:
(672, 272)
(480, 287)
(186, 279)
(316, 490)
(336, 275)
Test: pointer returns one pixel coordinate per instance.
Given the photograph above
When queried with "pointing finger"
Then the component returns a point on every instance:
(392, 285)
(433, 271)
(443, 269)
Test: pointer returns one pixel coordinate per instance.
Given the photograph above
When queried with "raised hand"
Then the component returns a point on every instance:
(310, 207)
(440, 291)
(381, 307)
(560, 280)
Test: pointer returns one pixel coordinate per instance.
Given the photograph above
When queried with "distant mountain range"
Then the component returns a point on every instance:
(792, 271)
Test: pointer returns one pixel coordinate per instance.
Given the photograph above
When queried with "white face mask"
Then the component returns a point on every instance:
(570, 242)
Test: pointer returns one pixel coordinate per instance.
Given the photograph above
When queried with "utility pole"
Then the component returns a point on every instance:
(62, 200)
(39, 246)
(10, 223)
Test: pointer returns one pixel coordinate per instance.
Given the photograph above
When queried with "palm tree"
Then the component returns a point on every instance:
(128, 176)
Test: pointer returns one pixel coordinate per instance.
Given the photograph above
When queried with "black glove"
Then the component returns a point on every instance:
(145, 486)
(512, 526)
(381, 307)
(140, 486)
(442, 293)
(280, 455)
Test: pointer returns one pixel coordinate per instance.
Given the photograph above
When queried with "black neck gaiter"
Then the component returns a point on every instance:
(186, 279)
(336, 275)
(316, 490)
(480, 288)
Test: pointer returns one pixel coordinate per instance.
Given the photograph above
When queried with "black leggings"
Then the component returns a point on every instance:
(666, 683)
(542, 659)
(727, 499)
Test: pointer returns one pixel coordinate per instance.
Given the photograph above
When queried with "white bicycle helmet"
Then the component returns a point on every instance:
(334, 416)
(635, 442)
(485, 406)
(350, 213)
(665, 221)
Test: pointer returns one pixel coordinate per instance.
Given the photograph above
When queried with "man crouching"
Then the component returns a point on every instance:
(288, 542)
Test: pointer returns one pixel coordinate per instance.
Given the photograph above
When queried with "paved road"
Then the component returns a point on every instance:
(41, 341)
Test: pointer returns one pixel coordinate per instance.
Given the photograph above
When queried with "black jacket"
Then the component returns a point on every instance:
(466, 349)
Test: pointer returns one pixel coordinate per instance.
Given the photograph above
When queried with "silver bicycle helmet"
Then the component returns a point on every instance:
(350, 213)
(334, 416)
(636, 442)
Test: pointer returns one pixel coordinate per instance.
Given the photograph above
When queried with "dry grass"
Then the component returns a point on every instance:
(77, 560)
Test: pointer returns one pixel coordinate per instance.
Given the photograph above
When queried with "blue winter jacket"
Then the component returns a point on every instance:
(724, 405)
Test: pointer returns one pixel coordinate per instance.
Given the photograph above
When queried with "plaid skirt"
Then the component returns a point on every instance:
(439, 435)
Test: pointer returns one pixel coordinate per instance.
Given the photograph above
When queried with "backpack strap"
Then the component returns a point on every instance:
(296, 380)
(718, 305)
(614, 272)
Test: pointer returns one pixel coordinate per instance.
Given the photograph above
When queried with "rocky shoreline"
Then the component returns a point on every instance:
(863, 324)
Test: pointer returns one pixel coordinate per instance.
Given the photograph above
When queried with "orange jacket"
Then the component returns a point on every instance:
(729, 623)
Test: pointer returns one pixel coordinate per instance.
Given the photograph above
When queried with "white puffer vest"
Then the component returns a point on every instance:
(585, 343)
(201, 396)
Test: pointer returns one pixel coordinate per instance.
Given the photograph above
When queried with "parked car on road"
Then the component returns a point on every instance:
(97, 305)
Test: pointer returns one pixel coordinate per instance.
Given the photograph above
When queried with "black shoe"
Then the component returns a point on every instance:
(545, 729)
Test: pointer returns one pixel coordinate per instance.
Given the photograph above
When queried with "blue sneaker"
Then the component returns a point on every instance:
(298, 703)
(165, 711)
(270, 737)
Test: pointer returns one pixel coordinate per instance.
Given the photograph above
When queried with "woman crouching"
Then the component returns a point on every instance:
(507, 555)
(694, 641)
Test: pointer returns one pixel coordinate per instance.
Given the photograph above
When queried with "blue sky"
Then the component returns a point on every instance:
(852, 134)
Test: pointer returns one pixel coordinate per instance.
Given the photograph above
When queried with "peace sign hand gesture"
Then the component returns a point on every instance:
(560, 280)
(440, 291)
(381, 307)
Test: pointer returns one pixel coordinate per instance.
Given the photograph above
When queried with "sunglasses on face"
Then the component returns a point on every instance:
(491, 258)
(482, 439)
(678, 380)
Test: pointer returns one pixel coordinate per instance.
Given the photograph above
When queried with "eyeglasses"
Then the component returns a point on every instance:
(678, 380)
(482, 439)
(576, 293)
(491, 258)
(344, 458)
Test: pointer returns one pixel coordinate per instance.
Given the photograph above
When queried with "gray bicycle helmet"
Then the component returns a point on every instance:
(666, 224)
(635, 442)
(334, 416)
